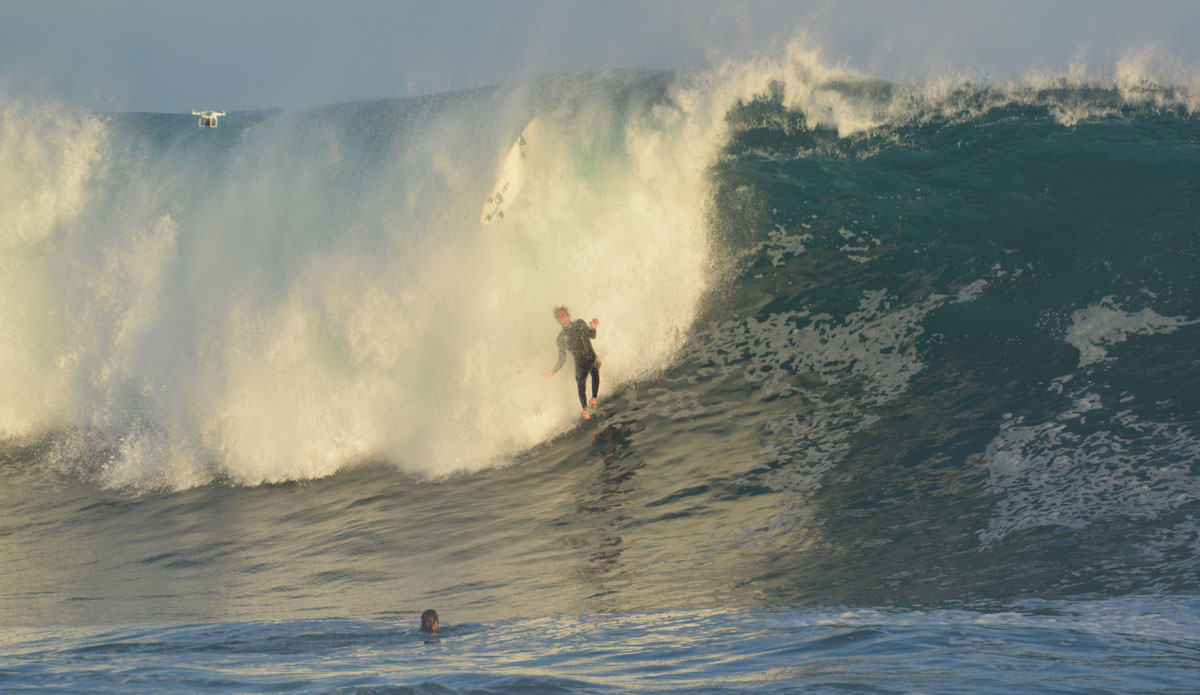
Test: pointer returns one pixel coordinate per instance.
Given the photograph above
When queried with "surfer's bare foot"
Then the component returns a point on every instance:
(593, 403)
(586, 414)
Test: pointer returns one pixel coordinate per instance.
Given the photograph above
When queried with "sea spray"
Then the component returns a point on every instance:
(51, 160)
(295, 292)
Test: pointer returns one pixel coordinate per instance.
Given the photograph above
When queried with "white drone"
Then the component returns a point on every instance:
(208, 118)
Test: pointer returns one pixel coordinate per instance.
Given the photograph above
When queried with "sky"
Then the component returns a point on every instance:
(176, 55)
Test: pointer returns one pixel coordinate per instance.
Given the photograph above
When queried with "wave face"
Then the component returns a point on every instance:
(862, 344)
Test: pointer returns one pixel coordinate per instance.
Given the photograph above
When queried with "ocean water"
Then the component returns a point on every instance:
(898, 390)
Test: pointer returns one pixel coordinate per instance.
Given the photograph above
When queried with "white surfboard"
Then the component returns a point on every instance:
(508, 177)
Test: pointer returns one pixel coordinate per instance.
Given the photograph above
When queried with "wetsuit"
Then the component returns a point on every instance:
(576, 337)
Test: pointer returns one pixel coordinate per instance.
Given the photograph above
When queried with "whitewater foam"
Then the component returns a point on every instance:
(1106, 324)
(1093, 460)
(52, 159)
(289, 295)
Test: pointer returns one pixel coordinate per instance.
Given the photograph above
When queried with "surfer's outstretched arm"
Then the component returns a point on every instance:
(562, 356)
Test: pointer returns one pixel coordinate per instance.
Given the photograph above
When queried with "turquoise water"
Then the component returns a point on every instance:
(897, 392)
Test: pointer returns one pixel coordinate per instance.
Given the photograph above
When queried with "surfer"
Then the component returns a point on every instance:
(429, 622)
(576, 337)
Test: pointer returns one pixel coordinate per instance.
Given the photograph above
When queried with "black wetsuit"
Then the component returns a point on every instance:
(576, 337)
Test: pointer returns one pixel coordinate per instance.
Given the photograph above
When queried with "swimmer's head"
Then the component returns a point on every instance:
(429, 621)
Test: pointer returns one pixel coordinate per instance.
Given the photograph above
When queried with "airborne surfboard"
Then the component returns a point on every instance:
(508, 177)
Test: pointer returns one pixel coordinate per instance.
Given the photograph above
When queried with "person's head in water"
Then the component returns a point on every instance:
(562, 315)
(429, 621)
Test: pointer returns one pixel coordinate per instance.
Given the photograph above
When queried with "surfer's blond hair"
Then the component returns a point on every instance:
(561, 309)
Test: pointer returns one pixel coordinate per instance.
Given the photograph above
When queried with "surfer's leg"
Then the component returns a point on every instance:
(581, 373)
(595, 383)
